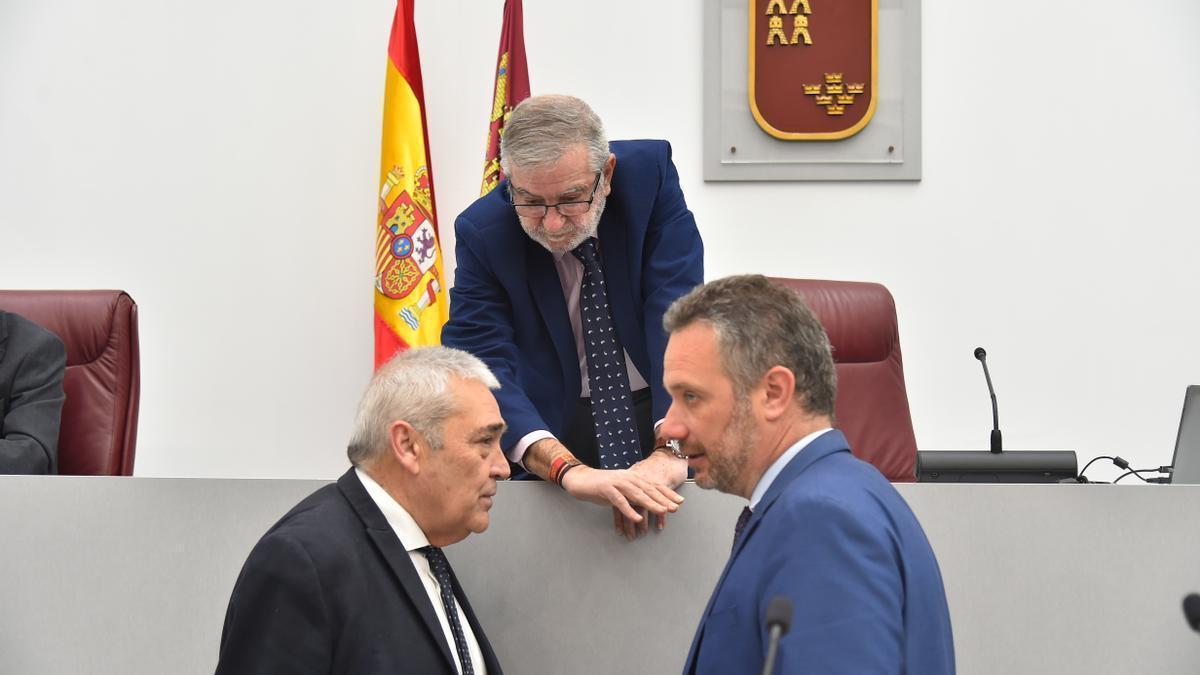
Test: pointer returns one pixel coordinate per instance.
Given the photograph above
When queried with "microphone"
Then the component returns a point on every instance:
(779, 620)
(1191, 610)
(996, 442)
(977, 466)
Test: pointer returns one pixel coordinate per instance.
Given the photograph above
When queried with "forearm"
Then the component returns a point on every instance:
(547, 458)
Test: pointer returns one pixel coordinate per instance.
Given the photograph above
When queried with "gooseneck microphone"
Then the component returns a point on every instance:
(997, 444)
(1191, 610)
(779, 620)
(978, 466)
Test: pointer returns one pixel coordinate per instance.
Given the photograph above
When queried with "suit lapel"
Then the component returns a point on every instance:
(546, 288)
(395, 556)
(826, 444)
(618, 278)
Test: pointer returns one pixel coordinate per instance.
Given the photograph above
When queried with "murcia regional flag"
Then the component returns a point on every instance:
(511, 87)
(410, 294)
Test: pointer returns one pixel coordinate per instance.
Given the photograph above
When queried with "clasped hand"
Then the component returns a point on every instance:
(643, 490)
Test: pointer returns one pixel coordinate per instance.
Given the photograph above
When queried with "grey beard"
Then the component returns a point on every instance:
(588, 230)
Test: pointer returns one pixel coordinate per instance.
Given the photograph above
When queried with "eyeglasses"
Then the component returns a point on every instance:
(577, 208)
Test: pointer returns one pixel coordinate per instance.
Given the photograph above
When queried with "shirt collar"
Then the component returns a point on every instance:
(410, 534)
(776, 467)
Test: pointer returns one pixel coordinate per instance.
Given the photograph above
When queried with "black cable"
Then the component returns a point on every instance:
(1119, 461)
(1134, 472)
(1122, 463)
(1091, 462)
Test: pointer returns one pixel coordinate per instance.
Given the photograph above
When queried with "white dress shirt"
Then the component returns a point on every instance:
(412, 538)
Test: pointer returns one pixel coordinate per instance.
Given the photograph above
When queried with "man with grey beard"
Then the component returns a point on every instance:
(564, 273)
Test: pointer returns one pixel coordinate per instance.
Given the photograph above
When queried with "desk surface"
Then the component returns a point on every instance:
(132, 575)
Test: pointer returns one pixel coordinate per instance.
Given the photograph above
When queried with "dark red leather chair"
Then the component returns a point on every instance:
(872, 403)
(98, 435)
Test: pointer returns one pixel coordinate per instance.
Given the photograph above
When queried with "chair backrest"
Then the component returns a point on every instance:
(872, 403)
(98, 434)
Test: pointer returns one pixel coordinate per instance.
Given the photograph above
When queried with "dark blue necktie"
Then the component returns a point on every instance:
(441, 571)
(612, 404)
(741, 525)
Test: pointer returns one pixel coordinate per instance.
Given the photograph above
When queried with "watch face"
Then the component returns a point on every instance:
(673, 446)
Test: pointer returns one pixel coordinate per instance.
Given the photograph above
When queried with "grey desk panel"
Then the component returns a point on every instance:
(1066, 578)
(124, 575)
(554, 584)
(132, 575)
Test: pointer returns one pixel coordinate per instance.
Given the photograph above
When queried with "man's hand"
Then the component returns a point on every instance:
(660, 468)
(632, 496)
(647, 488)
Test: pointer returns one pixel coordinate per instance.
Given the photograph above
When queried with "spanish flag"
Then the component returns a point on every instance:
(512, 87)
(410, 294)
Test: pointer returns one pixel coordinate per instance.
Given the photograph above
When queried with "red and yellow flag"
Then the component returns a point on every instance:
(410, 291)
(512, 87)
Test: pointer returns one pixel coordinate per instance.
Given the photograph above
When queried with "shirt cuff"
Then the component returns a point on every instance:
(517, 453)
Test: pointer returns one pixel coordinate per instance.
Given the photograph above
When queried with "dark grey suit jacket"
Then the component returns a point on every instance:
(32, 364)
(330, 589)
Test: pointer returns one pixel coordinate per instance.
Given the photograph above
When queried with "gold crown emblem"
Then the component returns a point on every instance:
(836, 110)
(812, 89)
(824, 100)
(833, 89)
(845, 99)
(856, 88)
(833, 78)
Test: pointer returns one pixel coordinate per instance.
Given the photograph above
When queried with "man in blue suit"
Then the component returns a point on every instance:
(580, 226)
(753, 384)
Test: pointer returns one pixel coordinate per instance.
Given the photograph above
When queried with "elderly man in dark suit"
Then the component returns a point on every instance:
(32, 364)
(353, 579)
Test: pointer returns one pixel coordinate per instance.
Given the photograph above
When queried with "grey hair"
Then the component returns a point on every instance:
(758, 326)
(411, 387)
(542, 128)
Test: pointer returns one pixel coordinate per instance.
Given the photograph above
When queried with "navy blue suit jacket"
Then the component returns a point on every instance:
(507, 304)
(837, 539)
(330, 589)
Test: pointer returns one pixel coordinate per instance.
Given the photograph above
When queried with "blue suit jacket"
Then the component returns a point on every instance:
(507, 304)
(837, 539)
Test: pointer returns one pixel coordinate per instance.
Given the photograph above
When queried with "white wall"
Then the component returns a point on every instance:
(218, 160)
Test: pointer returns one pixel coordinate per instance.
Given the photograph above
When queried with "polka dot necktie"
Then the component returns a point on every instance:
(612, 404)
(741, 525)
(441, 571)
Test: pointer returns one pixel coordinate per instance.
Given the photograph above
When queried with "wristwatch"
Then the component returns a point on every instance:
(672, 446)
